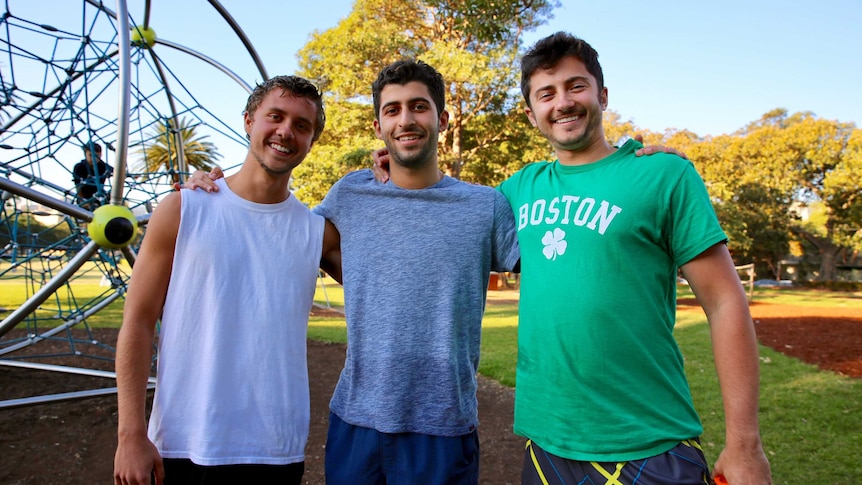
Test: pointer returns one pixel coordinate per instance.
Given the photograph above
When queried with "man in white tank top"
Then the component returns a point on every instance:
(232, 401)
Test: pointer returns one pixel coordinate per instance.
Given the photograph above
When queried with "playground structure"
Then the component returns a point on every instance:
(87, 76)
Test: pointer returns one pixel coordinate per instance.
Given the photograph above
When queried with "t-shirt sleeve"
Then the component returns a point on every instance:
(327, 206)
(506, 252)
(695, 225)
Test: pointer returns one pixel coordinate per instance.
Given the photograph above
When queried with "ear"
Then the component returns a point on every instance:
(603, 98)
(377, 130)
(444, 121)
(247, 121)
(531, 117)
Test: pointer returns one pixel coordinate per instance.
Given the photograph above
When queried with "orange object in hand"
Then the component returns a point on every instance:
(720, 480)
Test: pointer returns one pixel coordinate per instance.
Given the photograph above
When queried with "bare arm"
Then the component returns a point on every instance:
(136, 456)
(330, 260)
(714, 281)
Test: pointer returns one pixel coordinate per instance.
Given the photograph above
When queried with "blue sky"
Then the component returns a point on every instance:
(711, 67)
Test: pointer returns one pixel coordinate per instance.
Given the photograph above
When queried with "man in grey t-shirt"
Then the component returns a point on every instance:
(405, 409)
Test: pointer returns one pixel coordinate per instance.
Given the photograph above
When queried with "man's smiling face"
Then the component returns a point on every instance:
(567, 104)
(409, 124)
(281, 131)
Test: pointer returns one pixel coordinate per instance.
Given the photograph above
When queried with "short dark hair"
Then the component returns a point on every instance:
(297, 86)
(95, 147)
(407, 70)
(547, 52)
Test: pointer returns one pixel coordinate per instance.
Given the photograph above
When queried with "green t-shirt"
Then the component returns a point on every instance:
(600, 376)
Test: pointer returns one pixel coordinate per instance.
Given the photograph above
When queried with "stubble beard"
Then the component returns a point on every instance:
(578, 142)
(417, 159)
(272, 171)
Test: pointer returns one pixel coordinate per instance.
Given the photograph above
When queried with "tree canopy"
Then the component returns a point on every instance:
(161, 150)
(763, 179)
(769, 174)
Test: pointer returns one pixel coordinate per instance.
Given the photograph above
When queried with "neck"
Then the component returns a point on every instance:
(415, 178)
(591, 153)
(254, 184)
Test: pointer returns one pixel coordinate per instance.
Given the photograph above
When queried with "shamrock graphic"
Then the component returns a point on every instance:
(555, 243)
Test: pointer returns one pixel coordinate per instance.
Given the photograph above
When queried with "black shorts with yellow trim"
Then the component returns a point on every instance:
(684, 464)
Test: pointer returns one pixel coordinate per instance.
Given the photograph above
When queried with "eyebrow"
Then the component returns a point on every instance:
(285, 112)
(409, 101)
(570, 80)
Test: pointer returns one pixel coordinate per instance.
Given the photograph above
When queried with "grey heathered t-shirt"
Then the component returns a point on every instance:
(416, 265)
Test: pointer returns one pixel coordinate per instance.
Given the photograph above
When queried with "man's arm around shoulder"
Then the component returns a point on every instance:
(136, 456)
(714, 280)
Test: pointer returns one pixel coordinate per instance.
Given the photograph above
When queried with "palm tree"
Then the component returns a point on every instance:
(160, 151)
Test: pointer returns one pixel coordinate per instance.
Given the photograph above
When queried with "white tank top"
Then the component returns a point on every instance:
(232, 375)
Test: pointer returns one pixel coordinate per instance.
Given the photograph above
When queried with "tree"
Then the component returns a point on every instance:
(834, 182)
(763, 175)
(160, 152)
(750, 180)
(474, 52)
(347, 136)
(616, 130)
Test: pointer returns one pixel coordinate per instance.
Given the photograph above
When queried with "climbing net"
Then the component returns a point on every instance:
(63, 74)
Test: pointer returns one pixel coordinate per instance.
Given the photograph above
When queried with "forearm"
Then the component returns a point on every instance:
(330, 260)
(737, 364)
(734, 345)
(133, 363)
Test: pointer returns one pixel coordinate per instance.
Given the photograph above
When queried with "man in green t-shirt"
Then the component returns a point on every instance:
(601, 391)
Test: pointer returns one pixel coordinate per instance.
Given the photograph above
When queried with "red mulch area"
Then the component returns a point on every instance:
(828, 337)
(73, 442)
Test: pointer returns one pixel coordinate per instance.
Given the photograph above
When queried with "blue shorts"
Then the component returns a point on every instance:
(365, 456)
(683, 464)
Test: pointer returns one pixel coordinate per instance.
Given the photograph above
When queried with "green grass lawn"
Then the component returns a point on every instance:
(810, 419)
(77, 296)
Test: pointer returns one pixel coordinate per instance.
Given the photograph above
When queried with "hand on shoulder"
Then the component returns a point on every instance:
(202, 180)
(652, 149)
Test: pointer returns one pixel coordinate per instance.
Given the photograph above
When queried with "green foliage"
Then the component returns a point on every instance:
(617, 130)
(500, 145)
(161, 153)
(491, 21)
(842, 193)
(763, 176)
(476, 55)
(345, 145)
(28, 231)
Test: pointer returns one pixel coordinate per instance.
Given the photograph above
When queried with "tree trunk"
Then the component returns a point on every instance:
(455, 162)
(828, 255)
(828, 252)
